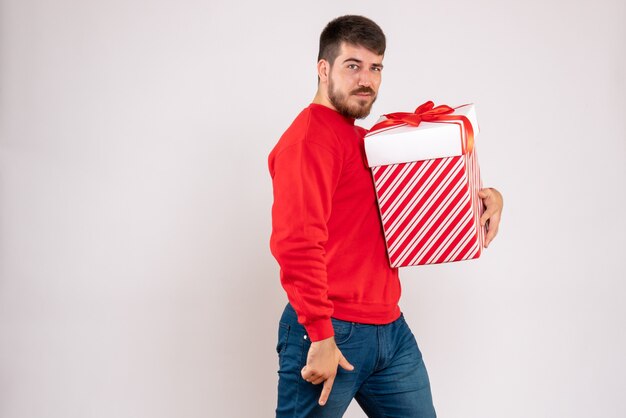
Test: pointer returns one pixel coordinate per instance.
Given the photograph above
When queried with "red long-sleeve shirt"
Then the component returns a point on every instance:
(326, 230)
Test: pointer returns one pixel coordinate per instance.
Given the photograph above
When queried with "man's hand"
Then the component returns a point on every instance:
(321, 365)
(493, 210)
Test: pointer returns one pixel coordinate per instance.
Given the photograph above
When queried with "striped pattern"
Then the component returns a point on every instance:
(430, 210)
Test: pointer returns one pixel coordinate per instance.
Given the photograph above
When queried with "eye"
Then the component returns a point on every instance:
(353, 67)
(379, 69)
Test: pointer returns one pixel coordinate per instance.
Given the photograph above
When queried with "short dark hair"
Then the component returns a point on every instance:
(354, 30)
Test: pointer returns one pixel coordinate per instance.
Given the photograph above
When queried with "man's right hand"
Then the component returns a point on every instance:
(321, 365)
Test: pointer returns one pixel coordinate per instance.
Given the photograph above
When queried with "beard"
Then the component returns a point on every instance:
(355, 111)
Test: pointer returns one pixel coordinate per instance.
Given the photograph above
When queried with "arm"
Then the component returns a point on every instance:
(304, 176)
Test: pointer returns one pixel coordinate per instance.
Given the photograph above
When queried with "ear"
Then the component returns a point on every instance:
(323, 70)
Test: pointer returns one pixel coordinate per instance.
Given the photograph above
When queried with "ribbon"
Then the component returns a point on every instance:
(427, 112)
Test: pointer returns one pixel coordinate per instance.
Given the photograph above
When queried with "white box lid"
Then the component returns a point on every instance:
(405, 143)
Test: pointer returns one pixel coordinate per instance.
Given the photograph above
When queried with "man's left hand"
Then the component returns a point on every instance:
(493, 210)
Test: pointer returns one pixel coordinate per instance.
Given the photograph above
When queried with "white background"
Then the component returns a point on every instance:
(135, 274)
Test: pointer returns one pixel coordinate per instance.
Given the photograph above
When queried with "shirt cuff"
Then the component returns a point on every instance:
(320, 329)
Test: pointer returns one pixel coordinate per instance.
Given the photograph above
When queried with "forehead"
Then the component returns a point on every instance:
(347, 51)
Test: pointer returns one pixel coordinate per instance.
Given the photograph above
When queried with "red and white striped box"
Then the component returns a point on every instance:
(427, 180)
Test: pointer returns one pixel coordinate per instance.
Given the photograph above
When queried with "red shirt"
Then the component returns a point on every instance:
(326, 231)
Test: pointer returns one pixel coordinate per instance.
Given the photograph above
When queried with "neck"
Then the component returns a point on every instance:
(321, 98)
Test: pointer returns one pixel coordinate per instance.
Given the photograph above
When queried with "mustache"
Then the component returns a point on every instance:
(360, 90)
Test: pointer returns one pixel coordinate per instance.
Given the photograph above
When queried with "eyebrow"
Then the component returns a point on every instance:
(358, 61)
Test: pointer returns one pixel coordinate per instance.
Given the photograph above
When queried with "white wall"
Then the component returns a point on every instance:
(135, 275)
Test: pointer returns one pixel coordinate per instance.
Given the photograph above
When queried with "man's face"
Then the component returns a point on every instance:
(353, 80)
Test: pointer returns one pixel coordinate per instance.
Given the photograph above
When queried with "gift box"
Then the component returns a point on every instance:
(427, 180)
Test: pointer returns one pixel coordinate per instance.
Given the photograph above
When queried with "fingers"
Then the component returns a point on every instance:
(345, 364)
(484, 194)
(492, 231)
(324, 371)
(486, 215)
(328, 385)
(312, 376)
(492, 200)
(307, 374)
(315, 379)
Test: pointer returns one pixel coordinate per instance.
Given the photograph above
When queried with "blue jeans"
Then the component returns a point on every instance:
(389, 377)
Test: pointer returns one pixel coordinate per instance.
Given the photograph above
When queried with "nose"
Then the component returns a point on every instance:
(364, 79)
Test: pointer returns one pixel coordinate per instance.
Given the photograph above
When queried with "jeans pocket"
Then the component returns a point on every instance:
(343, 330)
(283, 335)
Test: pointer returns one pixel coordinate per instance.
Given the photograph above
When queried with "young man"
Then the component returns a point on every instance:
(342, 330)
